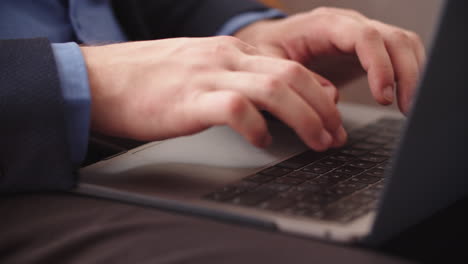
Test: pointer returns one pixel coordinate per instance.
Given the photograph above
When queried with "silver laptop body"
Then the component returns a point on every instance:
(428, 173)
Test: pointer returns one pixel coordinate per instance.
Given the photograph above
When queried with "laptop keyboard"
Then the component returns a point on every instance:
(337, 185)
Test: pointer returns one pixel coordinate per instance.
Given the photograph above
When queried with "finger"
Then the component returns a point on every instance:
(419, 48)
(300, 80)
(351, 36)
(414, 39)
(329, 87)
(224, 107)
(416, 42)
(406, 69)
(271, 94)
(404, 57)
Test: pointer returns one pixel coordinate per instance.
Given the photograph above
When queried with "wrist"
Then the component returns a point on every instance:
(252, 33)
(261, 35)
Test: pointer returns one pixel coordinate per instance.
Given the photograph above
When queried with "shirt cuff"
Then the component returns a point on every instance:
(242, 20)
(75, 90)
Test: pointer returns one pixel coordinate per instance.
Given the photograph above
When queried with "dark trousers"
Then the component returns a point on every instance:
(66, 228)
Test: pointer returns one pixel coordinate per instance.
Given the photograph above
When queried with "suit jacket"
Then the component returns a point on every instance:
(34, 152)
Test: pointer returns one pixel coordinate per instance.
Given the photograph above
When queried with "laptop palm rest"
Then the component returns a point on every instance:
(188, 167)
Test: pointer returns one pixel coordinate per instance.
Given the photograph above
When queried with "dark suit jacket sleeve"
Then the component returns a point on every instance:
(155, 19)
(34, 152)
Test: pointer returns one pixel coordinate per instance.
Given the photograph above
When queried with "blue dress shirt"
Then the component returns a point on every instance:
(68, 22)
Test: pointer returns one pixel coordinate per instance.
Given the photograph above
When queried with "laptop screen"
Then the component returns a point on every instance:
(431, 163)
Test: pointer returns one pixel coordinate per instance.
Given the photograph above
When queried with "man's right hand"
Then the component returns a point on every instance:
(153, 90)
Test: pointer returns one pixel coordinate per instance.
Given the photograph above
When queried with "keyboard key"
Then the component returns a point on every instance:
(303, 175)
(299, 192)
(323, 181)
(349, 187)
(343, 157)
(276, 171)
(302, 160)
(338, 177)
(316, 169)
(309, 206)
(259, 178)
(384, 166)
(349, 170)
(321, 198)
(230, 191)
(309, 186)
(244, 185)
(373, 158)
(381, 152)
(376, 172)
(328, 162)
(275, 187)
(289, 180)
(353, 152)
(365, 146)
(361, 164)
(364, 178)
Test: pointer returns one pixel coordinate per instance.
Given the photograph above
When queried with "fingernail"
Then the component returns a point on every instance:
(326, 139)
(388, 94)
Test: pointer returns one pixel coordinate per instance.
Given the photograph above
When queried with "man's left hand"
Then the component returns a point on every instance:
(327, 39)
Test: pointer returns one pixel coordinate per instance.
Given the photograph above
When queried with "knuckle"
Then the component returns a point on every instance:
(370, 33)
(328, 15)
(400, 35)
(220, 50)
(272, 86)
(199, 66)
(235, 105)
(323, 10)
(221, 45)
(414, 36)
(229, 40)
(292, 69)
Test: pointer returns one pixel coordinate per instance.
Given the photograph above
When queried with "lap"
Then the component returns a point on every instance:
(66, 228)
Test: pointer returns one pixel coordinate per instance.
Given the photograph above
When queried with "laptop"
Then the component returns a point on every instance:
(393, 172)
